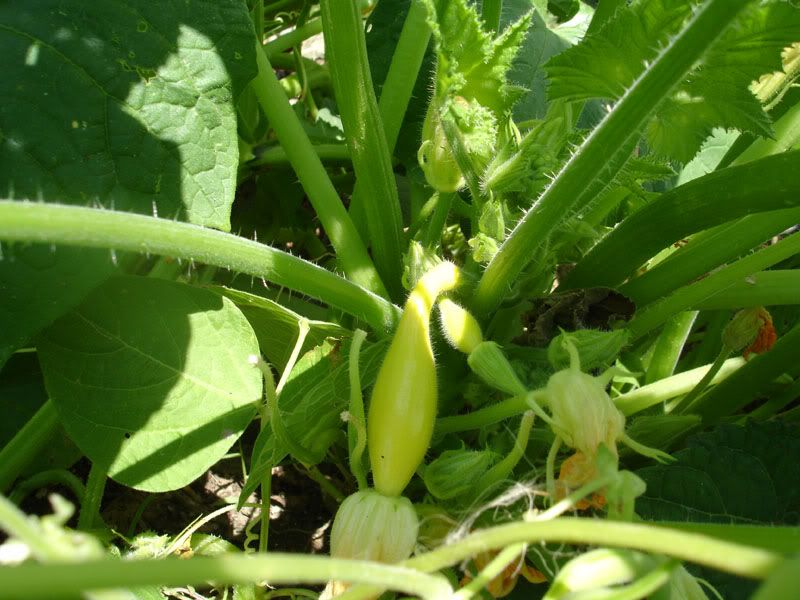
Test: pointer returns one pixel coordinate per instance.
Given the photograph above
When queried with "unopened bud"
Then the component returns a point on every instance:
(459, 327)
(490, 364)
(751, 330)
(455, 472)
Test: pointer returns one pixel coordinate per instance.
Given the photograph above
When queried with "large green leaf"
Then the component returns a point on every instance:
(125, 103)
(747, 475)
(151, 379)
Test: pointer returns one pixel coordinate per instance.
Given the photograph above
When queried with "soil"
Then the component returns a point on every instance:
(300, 515)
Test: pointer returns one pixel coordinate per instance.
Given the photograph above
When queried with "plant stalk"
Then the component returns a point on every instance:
(598, 155)
(98, 228)
(23, 448)
(350, 250)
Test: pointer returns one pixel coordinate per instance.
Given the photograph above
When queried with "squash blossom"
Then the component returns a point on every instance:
(583, 416)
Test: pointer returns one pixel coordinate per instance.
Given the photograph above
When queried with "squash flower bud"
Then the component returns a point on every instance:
(582, 415)
(435, 156)
(459, 327)
(485, 358)
(750, 330)
(371, 526)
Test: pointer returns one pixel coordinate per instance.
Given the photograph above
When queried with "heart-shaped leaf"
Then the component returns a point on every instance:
(151, 379)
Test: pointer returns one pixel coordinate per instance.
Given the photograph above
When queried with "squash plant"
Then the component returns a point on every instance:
(194, 203)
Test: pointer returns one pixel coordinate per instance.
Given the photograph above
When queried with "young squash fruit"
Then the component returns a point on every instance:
(402, 410)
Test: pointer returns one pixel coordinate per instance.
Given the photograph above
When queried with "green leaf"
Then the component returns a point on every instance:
(734, 474)
(715, 94)
(126, 103)
(527, 70)
(471, 63)
(276, 327)
(21, 394)
(38, 284)
(151, 379)
(710, 155)
(607, 63)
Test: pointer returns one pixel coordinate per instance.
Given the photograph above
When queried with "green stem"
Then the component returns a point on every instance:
(265, 489)
(783, 583)
(669, 346)
(399, 86)
(706, 251)
(318, 74)
(97, 228)
(748, 382)
(776, 403)
(276, 156)
(599, 155)
(294, 38)
(503, 469)
(642, 587)
(477, 419)
(403, 70)
(350, 249)
(603, 13)
(780, 539)
(433, 232)
(357, 429)
(787, 136)
(346, 51)
(31, 580)
(48, 478)
(720, 196)
(766, 288)
(89, 516)
(303, 328)
(690, 296)
(495, 567)
(326, 486)
(25, 446)
(665, 389)
(276, 418)
(686, 401)
(729, 557)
